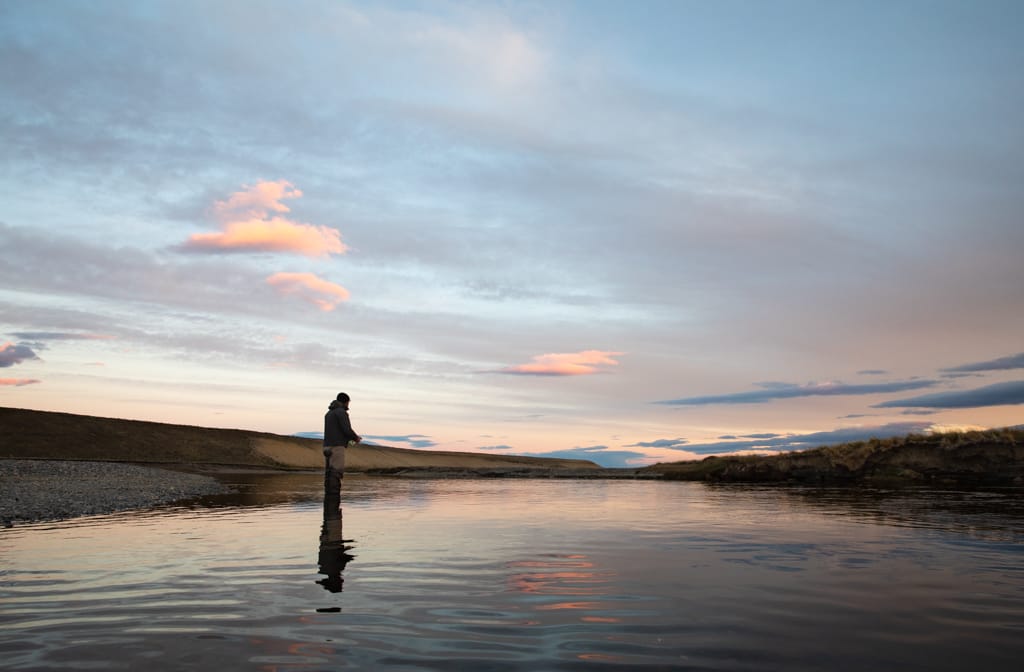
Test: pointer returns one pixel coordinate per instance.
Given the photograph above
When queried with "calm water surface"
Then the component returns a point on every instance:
(523, 575)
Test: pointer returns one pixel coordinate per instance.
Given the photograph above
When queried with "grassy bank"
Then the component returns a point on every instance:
(993, 456)
(990, 457)
(64, 436)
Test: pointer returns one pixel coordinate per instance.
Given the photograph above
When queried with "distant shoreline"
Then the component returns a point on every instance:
(989, 457)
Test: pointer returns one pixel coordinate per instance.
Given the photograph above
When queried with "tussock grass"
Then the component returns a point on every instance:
(986, 455)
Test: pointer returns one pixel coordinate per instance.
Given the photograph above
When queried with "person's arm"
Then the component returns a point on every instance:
(346, 428)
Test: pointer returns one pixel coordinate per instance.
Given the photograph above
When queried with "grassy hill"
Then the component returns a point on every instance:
(994, 456)
(978, 457)
(65, 436)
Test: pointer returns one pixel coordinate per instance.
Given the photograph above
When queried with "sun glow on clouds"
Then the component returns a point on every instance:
(17, 382)
(582, 363)
(323, 294)
(249, 226)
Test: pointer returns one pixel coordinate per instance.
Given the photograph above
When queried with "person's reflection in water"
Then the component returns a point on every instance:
(333, 552)
(334, 555)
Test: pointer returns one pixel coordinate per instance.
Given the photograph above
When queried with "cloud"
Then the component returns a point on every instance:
(11, 354)
(1001, 364)
(811, 440)
(498, 447)
(18, 382)
(675, 444)
(598, 454)
(59, 336)
(775, 391)
(90, 274)
(248, 226)
(269, 235)
(999, 394)
(321, 293)
(499, 57)
(873, 372)
(256, 201)
(566, 364)
(412, 440)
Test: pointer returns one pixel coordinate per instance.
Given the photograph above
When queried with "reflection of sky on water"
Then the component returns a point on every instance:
(478, 573)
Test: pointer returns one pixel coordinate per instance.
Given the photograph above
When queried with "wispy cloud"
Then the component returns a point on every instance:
(598, 454)
(249, 225)
(404, 440)
(582, 363)
(775, 391)
(1000, 364)
(11, 354)
(18, 382)
(999, 394)
(323, 294)
(59, 336)
(778, 442)
(675, 444)
(411, 440)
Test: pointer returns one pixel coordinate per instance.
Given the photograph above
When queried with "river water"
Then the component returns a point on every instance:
(523, 575)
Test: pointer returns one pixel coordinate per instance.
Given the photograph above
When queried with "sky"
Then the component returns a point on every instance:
(625, 232)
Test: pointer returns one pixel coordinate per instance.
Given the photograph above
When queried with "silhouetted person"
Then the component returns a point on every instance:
(338, 434)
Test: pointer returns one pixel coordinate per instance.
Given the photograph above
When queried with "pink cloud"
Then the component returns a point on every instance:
(18, 382)
(249, 225)
(323, 294)
(271, 235)
(257, 200)
(582, 363)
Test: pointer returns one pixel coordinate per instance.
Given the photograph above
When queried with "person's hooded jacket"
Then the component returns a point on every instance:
(337, 426)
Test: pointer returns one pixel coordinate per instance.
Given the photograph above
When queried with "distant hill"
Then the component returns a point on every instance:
(990, 457)
(66, 436)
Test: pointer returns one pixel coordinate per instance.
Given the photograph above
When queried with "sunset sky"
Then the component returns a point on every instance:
(624, 231)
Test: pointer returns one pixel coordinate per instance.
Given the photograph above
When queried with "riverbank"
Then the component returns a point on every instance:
(990, 457)
(48, 435)
(37, 490)
(982, 458)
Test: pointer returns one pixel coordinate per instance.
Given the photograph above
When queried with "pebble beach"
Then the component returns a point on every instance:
(38, 490)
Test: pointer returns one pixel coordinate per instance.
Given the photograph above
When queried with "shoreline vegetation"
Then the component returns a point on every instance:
(986, 457)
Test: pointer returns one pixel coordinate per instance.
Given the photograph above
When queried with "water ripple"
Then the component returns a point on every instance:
(522, 576)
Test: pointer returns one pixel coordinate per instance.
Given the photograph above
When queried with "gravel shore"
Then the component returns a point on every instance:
(34, 490)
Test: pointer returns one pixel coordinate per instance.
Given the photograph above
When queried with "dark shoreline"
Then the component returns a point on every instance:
(51, 490)
(955, 459)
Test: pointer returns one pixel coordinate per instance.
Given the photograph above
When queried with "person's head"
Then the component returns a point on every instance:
(342, 398)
